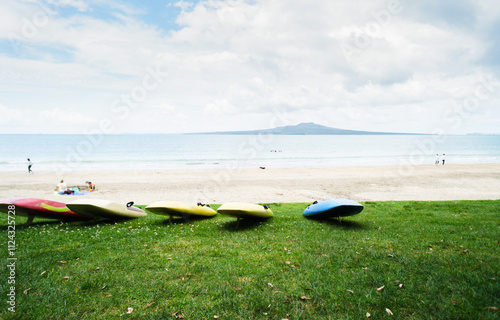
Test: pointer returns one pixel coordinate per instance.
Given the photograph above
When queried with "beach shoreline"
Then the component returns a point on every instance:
(270, 185)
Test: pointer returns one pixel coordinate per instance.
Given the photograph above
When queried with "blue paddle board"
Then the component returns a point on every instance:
(333, 209)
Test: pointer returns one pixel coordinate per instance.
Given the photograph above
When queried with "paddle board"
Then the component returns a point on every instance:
(245, 210)
(98, 208)
(333, 209)
(180, 209)
(32, 207)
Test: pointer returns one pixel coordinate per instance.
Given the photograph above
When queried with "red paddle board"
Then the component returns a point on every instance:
(32, 207)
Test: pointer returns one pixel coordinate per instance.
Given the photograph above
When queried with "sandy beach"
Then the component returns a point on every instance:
(367, 183)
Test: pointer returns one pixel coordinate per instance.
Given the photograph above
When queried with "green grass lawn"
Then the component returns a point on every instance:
(416, 260)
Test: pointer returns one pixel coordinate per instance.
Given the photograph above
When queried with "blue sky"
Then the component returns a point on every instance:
(73, 66)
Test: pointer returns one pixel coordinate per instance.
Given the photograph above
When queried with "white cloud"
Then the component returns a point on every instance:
(239, 60)
(9, 115)
(220, 107)
(65, 117)
(167, 109)
(77, 4)
(184, 5)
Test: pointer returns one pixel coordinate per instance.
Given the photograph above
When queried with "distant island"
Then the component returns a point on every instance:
(308, 128)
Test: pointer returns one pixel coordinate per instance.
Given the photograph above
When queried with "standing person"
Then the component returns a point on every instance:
(443, 159)
(29, 166)
(438, 159)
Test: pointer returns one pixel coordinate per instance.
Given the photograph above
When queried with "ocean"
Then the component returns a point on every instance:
(162, 151)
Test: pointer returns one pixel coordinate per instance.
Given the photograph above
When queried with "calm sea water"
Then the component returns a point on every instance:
(131, 152)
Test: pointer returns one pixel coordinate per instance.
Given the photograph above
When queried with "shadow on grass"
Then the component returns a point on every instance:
(21, 226)
(50, 222)
(100, 222)
(341, 224)
(243, 224)
(182, 220)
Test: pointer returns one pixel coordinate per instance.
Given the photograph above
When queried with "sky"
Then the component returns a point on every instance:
(126, 66)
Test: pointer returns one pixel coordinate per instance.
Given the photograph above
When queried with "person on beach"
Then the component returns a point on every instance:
(29, 166)
(443, 159)
(62, 188)
(91, 185)
(438, 159)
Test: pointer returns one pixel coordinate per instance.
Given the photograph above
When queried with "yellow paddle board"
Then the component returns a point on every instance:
(180, 209)
(98, 208)
(245, 210)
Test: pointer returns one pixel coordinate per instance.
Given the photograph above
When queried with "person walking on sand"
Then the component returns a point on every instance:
(29, 166)
(442, 158)
(438, 159)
